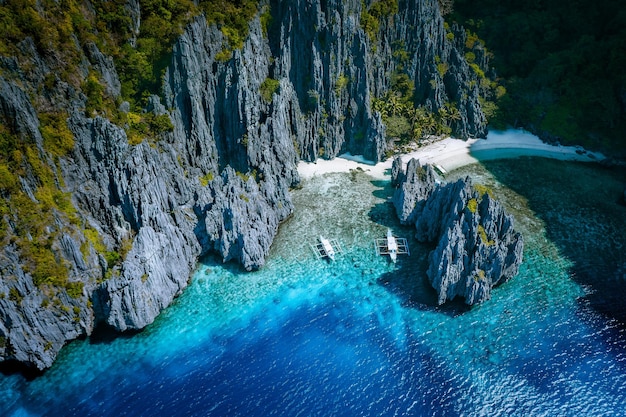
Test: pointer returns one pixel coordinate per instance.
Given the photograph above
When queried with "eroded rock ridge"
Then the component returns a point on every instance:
(477, 245)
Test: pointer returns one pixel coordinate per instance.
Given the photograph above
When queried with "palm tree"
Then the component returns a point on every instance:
(395, 104)
(423, 122)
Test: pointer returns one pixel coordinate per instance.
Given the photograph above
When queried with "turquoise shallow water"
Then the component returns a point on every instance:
(361, 336)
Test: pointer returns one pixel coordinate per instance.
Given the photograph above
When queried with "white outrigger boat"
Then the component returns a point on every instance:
(326, 248)
(392, 246)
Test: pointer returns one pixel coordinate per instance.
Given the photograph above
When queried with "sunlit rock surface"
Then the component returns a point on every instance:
(477, 245)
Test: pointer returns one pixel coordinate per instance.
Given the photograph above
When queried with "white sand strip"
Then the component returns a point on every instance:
(453, 153)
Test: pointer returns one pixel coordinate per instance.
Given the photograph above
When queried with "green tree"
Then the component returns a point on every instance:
(561, 64)
(268, 87)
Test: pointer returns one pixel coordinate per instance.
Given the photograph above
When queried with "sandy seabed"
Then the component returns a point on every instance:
(450, 153)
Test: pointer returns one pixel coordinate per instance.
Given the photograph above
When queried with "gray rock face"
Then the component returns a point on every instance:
(135, 196)
(226, 131)
(36, 322)
(133, 9)
(478, 247)
(420, 27)
(105, 66)
(32, 329)
(219, 182)
(18, 111)
(414, 186)
(335, 70)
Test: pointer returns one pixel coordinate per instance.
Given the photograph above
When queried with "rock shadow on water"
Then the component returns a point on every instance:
(105, 334)
(408, 281)
(14, 367)
(580, 205)
(383, 190)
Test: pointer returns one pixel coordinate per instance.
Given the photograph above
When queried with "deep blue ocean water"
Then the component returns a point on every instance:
(363, 337)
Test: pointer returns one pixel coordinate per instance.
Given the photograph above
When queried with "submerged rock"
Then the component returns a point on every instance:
(477, 245)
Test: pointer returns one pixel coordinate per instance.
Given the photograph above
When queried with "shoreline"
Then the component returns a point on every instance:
(450, 154)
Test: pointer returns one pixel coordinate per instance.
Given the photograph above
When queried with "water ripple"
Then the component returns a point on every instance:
(358, 337)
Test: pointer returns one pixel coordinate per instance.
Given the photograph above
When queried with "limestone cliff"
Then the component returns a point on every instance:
(336, 68)
(128, 219)
(477, 246)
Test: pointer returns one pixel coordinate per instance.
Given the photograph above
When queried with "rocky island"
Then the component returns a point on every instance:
(477, 245)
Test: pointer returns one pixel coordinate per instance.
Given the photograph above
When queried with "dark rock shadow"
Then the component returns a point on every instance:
(106, 334)
(212, 259)
(580, 205)
(13, 367)
(409, 281)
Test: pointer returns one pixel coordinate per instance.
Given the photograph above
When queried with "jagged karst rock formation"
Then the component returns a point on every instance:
(335, 69)
(219, 181)
(477, 246)
(32, 329)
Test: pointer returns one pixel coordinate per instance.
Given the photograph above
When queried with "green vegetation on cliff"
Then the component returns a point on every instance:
(142, 66)
(371, 17)
(34, 209)
(141, 53)
(406, 122)
(562, 64)
(268, 87)
(35, 219)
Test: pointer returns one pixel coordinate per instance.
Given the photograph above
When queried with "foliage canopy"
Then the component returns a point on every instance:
(562, 63)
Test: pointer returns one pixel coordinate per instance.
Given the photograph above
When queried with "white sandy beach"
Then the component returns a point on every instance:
(453, 153)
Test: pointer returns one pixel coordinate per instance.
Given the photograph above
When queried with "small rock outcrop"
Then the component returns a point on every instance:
(477, 245)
